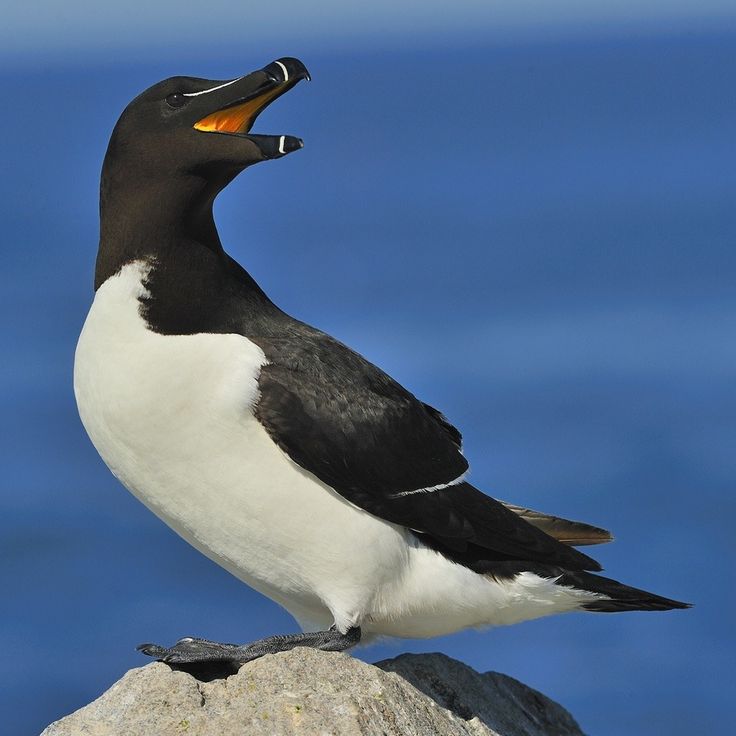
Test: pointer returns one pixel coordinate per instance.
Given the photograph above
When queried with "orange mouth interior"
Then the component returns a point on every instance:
(238, 118)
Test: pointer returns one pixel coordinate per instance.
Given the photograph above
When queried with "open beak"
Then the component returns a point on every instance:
(237, 116)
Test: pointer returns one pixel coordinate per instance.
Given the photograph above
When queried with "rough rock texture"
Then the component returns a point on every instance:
(312, 693)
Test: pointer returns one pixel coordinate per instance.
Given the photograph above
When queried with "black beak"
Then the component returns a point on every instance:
(242, 101)
(287, 69)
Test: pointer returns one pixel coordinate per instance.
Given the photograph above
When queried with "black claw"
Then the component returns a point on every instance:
(152, 650)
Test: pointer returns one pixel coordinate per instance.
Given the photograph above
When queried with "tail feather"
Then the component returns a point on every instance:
(620, 597)
(573, 533)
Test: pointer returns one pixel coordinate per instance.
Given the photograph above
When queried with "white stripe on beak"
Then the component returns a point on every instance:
(286, 71)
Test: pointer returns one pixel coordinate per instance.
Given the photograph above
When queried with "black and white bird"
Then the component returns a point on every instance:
(274, 449)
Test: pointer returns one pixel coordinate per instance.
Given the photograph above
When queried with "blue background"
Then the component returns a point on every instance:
(532, 231)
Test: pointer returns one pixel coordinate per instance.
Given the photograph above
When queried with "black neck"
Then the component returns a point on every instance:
(147, 218)
(192, 285)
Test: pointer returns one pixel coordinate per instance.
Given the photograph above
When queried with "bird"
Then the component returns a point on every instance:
(274, 449)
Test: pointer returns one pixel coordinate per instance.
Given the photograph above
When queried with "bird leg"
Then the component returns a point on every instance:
(194, 651)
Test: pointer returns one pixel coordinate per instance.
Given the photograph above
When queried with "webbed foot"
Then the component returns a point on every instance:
(191, 650)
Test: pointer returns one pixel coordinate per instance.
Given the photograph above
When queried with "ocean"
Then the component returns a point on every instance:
(537, 238)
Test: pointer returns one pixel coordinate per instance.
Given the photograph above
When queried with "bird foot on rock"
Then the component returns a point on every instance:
(191, 650)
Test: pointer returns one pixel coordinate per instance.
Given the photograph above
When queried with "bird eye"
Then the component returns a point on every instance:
(176, 100)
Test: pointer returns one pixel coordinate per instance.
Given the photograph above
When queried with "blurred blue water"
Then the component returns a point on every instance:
(539, 239)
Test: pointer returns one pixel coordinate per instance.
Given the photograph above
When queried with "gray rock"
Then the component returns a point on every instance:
(497, 703)
(310, 693)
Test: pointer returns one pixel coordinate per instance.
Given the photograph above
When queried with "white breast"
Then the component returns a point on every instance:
(172, 418)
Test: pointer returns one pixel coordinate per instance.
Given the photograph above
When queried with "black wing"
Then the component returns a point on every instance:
(356, 429)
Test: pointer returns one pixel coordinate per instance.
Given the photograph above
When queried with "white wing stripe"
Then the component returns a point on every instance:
(430, 489)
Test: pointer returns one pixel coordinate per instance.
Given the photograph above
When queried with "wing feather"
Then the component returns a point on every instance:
(575, 533)
(348, 423)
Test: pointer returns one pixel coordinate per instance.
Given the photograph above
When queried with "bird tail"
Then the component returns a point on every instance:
(619, 597)
(573, 533)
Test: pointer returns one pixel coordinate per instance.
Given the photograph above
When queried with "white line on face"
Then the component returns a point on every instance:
(282, 140)
(286, 71)
(211, 89)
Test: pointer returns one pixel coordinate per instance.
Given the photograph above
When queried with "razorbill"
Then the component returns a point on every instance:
(274, 449)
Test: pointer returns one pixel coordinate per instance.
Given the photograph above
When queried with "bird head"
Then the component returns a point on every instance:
(187, 126)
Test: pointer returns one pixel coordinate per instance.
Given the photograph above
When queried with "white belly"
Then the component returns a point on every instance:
(172, 418)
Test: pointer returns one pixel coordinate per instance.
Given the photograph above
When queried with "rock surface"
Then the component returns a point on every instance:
(312, 693)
